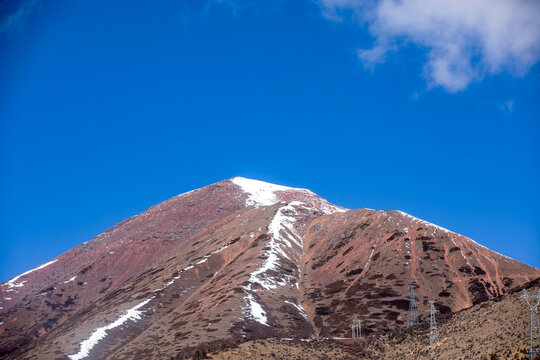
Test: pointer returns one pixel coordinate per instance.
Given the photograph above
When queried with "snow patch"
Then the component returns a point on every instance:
(187, 192)
(170, 282)
(70, 280)
(255, 310)
(461, 251)
(371, 254)
(300, 309)
(285, 223)
(260, 193)
(133, 314)
(425, 222)
(500, 255)
(224, 247)
(204, 259)
(12, 283)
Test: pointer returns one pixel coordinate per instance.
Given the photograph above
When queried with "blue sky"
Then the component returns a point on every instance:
(107, 108)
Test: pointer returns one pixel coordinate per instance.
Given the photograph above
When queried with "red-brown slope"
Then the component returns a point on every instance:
(359, 264)
(105, 263)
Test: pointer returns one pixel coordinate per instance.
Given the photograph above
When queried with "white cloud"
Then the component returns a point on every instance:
(373, 56)
(465, 40)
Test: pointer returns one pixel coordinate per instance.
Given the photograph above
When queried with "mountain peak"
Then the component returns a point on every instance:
(261, 193)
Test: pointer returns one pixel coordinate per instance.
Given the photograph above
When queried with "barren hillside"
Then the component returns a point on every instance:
(494, 329)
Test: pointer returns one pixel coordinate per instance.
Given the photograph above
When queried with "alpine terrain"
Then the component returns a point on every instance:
(243, 259)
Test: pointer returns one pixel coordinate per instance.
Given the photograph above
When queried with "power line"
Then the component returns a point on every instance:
(433, 335)
(534, 327)
(356, 328)
(413, 310)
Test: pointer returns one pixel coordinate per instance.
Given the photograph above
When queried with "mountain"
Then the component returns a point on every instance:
(242, 259)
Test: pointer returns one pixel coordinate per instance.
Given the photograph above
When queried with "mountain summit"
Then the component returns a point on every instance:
(241, 259)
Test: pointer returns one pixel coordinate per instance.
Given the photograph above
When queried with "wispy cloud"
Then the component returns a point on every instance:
(464, 40)
(507, 107)
(13, 14)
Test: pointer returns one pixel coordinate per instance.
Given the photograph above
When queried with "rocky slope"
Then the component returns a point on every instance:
(362, 261)
(240, 259)
(494, 329)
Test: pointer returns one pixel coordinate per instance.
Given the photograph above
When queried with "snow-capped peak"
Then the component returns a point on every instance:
(260, 193)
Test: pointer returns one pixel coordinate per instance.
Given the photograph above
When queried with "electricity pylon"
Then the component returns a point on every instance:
(534, 327)
(356, 328)
(413, 310)
(433, 335)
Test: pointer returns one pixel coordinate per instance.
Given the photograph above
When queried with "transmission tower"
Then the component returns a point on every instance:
(356, 328)
(534, 327)
(433, 335)
(413, 310)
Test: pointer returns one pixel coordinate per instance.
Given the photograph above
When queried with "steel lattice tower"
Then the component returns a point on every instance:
(413, 310)
(534, 327)
(433, 335)
(356, 328)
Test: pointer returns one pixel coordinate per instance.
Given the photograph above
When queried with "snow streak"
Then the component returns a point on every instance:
(133, 314)
(283, 237)
(371, 254)
(283, 222)
(12, 283)
(300, 309)
(255, 310)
